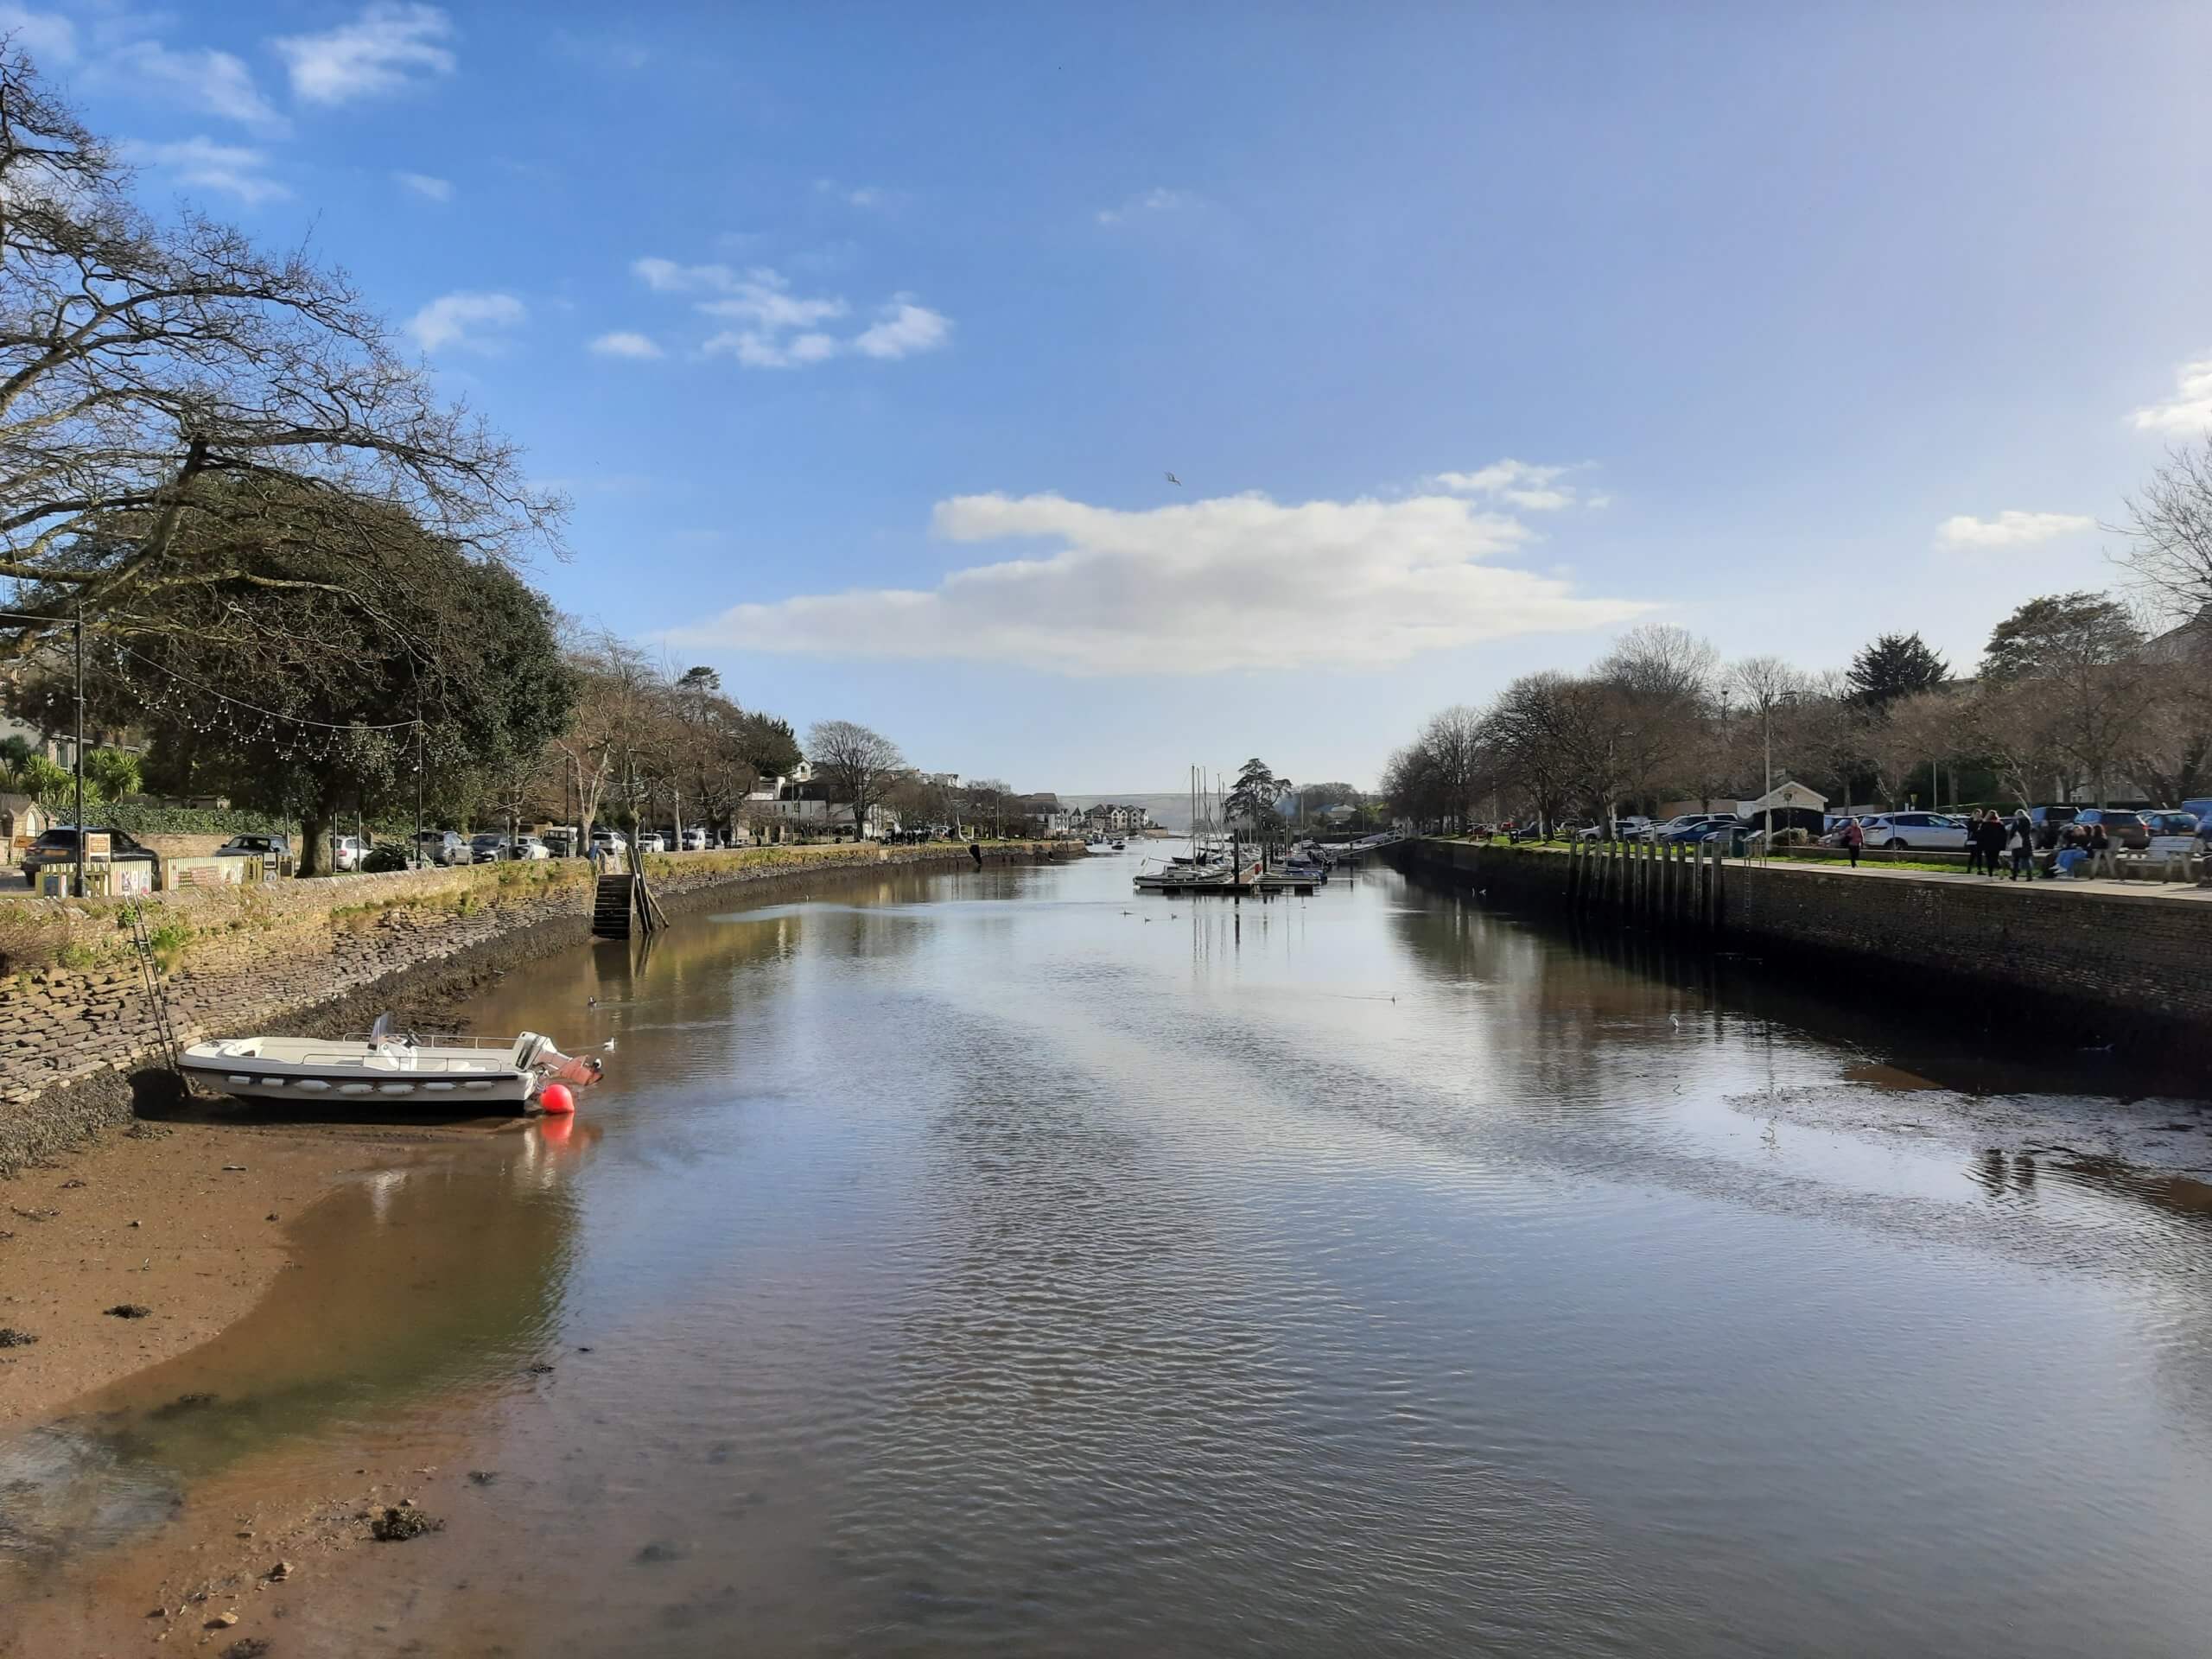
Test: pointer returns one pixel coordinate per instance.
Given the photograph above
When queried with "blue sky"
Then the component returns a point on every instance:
(864, 336)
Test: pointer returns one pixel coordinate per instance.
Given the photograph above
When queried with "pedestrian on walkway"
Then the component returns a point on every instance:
(2024, 846)
(1973, 845)
(1990, 832)
(1855, 837)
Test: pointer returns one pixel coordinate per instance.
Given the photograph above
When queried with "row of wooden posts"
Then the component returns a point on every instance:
(1667, 883)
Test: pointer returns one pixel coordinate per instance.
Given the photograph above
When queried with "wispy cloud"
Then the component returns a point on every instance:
(391, 46)
(776, 327)
(2011, 527)
(1159, 200)
(623, 343)
(2189, 412)
(427, 185)
(200, 79)
(1237, 582)
(235, 169)
(470, 321)
(863, 196)
(903, 328)
(50, 38)
(1518, 484)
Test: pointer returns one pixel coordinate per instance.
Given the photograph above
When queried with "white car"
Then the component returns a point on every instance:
(695, 840)
(1933, 832)
(652, 842)
(348, 851)
(528, 847)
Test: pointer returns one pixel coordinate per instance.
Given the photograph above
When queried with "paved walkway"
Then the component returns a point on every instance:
(2183, 892)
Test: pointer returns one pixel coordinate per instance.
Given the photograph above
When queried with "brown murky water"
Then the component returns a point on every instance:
(998, 1263)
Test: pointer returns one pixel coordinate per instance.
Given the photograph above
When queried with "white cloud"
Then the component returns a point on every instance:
(202, 161)
(1517, 484)
(391, 46)
(623, 343)
(50, 38)
(903, 328)
(862, 196)
(2011, 527)
(780, 329)
(457, 318)
(1237, 582)
(427, 185)
(1158, 200)
(211, 82)
(758, 295)
(2189, 412)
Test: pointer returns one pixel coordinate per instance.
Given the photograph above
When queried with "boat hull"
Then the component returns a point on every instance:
(509, 1091)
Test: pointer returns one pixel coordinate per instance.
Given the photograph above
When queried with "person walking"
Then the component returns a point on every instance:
(1990, 832)
(2024, 846)
(1855, 837)
(1977, 849)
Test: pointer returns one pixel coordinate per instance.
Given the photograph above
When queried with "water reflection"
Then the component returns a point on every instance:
(998, 1260)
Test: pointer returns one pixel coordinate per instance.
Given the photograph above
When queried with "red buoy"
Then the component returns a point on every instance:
(557, 1100)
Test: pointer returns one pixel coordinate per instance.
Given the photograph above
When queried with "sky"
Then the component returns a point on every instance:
(1078, 394)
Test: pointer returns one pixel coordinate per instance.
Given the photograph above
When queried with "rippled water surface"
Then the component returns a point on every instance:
(998, 1263)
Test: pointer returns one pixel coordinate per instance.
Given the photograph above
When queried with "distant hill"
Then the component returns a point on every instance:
(1169, 811)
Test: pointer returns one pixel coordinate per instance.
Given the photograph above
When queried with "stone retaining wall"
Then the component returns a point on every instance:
(2094, 963)
(271, 958)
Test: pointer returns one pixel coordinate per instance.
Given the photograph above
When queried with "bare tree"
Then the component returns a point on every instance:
(618, 690)
(2169, 530)
(157, 379)
(1664, 663)
(856, 764)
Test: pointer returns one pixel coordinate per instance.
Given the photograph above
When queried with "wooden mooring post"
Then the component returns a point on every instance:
(1669, 885)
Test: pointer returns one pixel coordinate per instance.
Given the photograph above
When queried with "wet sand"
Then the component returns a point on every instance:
(188, 1219)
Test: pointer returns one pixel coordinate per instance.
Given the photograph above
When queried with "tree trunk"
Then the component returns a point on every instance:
(314, 837)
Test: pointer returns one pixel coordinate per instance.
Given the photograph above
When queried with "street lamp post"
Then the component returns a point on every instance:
(80, 749)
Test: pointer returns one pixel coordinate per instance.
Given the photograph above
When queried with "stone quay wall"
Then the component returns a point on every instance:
(2099, 962)
(76, 1017)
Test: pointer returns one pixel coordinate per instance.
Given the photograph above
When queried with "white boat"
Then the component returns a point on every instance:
(387, 1066)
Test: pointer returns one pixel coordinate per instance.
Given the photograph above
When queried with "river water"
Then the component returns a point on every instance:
(996, 1262)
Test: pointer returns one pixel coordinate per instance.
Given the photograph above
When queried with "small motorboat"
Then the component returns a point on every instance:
(387, 1066)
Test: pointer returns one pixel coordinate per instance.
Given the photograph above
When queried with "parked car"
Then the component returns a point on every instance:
(2126, 830)
(57, 849)
(1632, 826)
(441, 847)
(274, 851)
(695, 840)
(1696, 826)
(2050, 823)
(348, 851)
(1934, 832)
(652, 842)
(528, 848)
(561, 840)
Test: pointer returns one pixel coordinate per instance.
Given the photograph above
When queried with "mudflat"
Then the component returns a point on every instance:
(184, 1219)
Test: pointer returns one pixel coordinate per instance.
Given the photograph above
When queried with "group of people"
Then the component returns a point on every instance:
(1989, 837)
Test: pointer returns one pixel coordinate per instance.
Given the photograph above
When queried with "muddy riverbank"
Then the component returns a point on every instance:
(76, 1020)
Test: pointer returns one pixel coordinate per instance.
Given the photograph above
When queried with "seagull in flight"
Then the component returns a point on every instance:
(1171, 479)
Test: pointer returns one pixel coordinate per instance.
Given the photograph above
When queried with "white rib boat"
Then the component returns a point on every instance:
(387, 1066)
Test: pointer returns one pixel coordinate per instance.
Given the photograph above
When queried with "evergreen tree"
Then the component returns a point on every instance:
(1895, 665)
